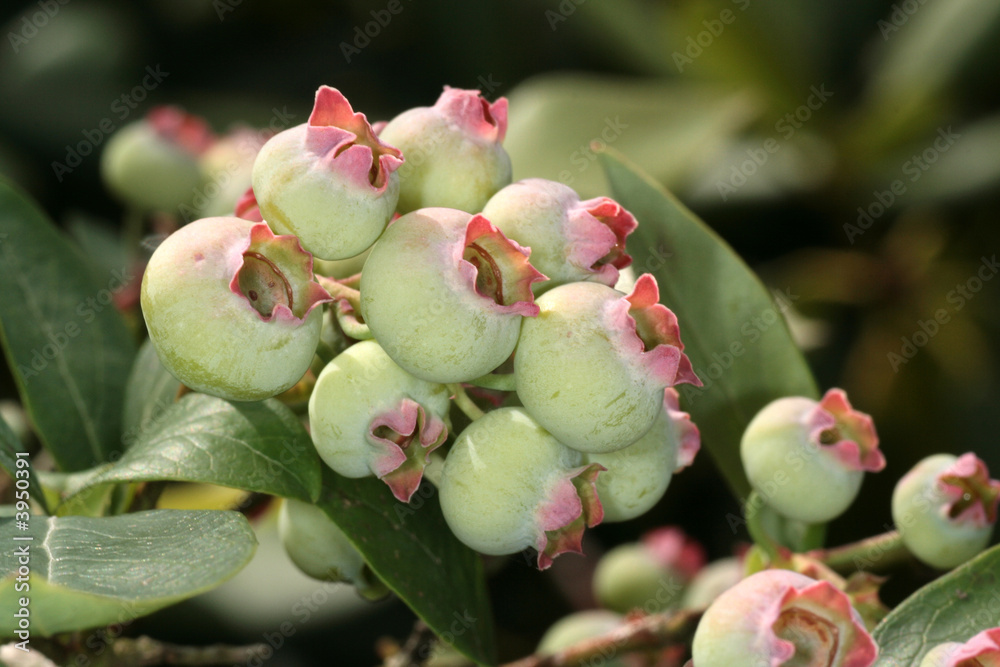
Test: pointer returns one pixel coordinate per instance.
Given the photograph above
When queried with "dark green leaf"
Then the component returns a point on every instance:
(67, 346)
(731, 325)
(10, 446)
(254, 446)
(411, 549)
(150, 390)
(89, 572)
(953, 608)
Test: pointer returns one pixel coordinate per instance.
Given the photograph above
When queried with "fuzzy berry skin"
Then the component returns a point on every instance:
(508, 485)
(329, 181)
(153, 164)
(592, 367)
(778, 617)
(945, 508)
(580, 626)
(232, 309)
(454, 156)
(570, 240)
(982, 650)
(649, 575)
(807, 458)
(637, 476)
(321, 550)
(370, 417)
(444, 292)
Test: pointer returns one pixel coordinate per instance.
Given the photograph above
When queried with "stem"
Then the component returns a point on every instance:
(498, 381)
(465, 403)
(350, 325)
(340, 291)
(886, 549)
(644, 634)
(755, 527)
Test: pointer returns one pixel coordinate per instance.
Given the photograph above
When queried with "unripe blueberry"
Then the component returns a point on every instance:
(227, 167)
(637, 476)
(321, 550)
(152, 164)
(454, 156)
(329, 181)
(370, 417)
(231, 308)
(807, 458)
(649, 575)
(570, 240)
(444, 293)
(778, 617)
(712, 581)
(509, 485)
(945, 508)
(578, 627)
(982, 650)
(592, 367)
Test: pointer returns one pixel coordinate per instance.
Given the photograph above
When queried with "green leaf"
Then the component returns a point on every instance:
(258, 447)
(953, 608)
(149, 391)
(731, 325)
(412, 550)
(10, 446)
(670, 128)
(89, 572)
(67, 346)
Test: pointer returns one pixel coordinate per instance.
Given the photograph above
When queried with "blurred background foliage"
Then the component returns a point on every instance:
(783, 124)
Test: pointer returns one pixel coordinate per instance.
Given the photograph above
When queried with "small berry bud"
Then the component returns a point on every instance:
(231, 308)
(807, 458)
(444, 293)
(945, 508)
(152, 164)
(370, 417)
(777, 617)
(321, 550)
(570, 240)
(592, 367)
(649, 575)
(454, 157)
(508, 485)
(578, 627)
(983, 650)
(637, 476)
(329, 181)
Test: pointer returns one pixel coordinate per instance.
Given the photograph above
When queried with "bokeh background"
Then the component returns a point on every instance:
(785, 125)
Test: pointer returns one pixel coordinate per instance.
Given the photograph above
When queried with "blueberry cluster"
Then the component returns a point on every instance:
(468, 279)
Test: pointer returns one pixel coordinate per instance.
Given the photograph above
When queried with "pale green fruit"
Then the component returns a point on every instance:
(453, 152)
(592, 367)
(444, 293)
(509, 485)
(231, 309)
(578, 627)
(321, 550)
(945, 508)
(807, 458)
(370, 417)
